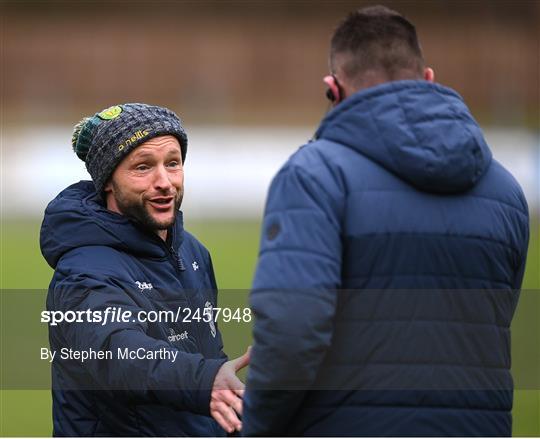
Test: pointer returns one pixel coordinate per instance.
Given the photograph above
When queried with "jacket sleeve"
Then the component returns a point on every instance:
(184, 384)
(524, 234)
(293, 296)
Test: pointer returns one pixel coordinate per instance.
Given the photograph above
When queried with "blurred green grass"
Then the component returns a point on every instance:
(233, 245)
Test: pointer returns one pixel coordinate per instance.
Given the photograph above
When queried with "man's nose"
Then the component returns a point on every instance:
(161, 179)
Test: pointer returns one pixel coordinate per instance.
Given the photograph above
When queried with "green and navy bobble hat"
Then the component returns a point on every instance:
(103, 140)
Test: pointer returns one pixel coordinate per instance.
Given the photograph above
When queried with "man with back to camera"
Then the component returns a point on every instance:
(392, 253)
(118, 243)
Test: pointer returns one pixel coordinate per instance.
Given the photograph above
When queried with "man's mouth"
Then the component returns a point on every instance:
(161, 203)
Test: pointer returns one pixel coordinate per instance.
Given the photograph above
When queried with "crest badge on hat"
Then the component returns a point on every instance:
(110, 113)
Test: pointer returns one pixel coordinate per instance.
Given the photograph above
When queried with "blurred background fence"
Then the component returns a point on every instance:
(246, 78)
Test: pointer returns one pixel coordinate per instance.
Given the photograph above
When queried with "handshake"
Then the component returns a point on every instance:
(227, 393)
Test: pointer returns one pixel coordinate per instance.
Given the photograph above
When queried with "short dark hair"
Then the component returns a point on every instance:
(376, 39)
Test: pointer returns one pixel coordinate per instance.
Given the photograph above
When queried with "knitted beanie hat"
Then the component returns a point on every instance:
(103, 140)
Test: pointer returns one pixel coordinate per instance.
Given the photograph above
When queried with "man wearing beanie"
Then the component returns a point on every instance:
(125, 359)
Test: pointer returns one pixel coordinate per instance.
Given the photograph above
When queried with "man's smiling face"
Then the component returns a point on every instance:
(148, 185)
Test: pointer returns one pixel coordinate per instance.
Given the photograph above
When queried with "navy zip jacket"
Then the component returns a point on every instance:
(102, 259)
(392, 252)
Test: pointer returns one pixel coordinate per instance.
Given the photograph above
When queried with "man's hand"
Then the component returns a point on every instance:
(226, 398)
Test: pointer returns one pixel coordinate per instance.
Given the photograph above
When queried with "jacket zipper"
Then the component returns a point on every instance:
(180, 267)
(178, 260)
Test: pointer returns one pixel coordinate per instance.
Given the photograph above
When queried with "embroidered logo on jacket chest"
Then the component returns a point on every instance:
(144, 285)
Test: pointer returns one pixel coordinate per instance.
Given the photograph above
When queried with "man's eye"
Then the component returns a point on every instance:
(174, 164)
(142, 167)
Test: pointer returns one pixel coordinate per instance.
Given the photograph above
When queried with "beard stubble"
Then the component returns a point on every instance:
(137, 211)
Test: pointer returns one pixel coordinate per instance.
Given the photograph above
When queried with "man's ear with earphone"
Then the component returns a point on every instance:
(333, 92)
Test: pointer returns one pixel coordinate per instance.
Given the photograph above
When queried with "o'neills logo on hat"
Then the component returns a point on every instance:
(137, 136)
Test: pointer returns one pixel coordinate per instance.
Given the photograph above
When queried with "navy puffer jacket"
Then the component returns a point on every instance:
(102, 259)
(392, 252)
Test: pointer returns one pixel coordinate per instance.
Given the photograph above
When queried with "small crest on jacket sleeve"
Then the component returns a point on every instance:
(272, 231)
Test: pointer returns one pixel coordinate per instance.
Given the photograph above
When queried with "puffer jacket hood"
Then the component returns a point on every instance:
(76, 218)
(420, 131)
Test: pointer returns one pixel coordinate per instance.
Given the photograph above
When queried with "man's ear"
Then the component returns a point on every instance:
(429, 74)
(108, 187)
(332, 93)
(108, 197)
